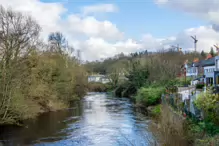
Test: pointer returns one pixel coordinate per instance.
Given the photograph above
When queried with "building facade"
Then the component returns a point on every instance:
(98, 78)
(191, 70)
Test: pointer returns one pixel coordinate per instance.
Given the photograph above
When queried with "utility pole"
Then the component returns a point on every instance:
(195, 42)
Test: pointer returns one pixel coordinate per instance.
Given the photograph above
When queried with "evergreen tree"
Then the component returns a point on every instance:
(212, 52)
(203, 54)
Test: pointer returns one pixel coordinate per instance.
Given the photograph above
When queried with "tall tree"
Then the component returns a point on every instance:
(203, 54)
(212, 52)
(19, 35)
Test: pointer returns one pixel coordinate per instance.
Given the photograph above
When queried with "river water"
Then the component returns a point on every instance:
(98, 120)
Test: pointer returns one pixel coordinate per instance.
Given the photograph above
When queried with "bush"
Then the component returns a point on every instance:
(209, 104)
(149, 96)
(129, 91)
(118, 91)
(200, 86)
(201, 133)
(156, 111)
(182, 82)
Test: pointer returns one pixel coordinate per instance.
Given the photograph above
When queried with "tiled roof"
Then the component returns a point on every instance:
(207, 62)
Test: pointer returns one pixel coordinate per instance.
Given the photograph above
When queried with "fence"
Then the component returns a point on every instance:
(186, 106)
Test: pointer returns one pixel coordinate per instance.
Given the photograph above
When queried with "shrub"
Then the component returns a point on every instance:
(156, 111)
(149, 96)
(118, 91)
(129, 91)
(201, 133)
(200, 86)
(182, 82)
(209, 104)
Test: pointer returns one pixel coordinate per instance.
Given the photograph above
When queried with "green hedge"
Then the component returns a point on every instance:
(149, 96)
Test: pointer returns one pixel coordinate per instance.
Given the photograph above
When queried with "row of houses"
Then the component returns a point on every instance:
(206, 71)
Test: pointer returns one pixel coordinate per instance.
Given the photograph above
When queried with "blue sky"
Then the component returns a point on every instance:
(141, 17)
(137, 25)
(147, 17)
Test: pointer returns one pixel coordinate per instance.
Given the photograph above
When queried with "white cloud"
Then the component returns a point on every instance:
(48, 15)
(207, 9)
(206, 36)
(99, 8)
(91, 27)
(99, 48)
(100, 39)
(204, 9)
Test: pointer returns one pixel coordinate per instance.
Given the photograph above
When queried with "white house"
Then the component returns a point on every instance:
(209, 70)
(209, 74)
(216, 72)
(98, 78)
(191, 70)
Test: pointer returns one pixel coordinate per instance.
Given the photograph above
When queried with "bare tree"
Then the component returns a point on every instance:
(19, 34)
(57, 41)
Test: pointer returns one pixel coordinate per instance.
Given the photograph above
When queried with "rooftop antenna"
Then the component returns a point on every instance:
(195, 42)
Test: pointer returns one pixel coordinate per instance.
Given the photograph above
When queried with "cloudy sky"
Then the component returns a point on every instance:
(104, 28)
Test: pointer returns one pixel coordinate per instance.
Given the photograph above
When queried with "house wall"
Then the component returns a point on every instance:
(191, 71)
(94, 79)
(217, 63)
(209, 72)
(101, 79)
(216, 76)
(200, 70)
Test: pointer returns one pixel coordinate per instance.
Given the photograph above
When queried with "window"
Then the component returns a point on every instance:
(206, 70)
(194, 70)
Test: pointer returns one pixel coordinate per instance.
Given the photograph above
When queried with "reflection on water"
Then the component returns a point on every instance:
(98, 120)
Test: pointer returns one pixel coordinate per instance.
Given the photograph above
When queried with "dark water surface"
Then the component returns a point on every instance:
(98, 120)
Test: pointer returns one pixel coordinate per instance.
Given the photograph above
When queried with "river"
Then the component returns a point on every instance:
(98, 120)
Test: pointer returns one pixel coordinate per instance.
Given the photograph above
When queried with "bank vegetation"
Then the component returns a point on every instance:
(35, 76)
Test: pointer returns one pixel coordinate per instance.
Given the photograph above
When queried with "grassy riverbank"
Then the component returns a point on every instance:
(35, 77)
(197, 131)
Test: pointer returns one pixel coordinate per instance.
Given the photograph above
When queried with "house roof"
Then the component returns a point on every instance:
(203, 63)
(208, 62)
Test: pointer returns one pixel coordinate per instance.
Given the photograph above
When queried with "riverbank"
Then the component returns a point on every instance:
(47, 87)
(194, 131)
